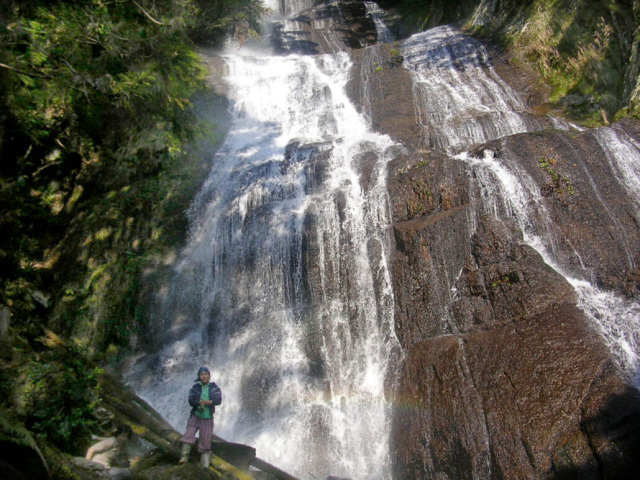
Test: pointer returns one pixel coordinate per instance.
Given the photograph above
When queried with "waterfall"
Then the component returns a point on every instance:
(376, 13)
(509, 192)
(623, 155)
(459, 99)
(283, 289)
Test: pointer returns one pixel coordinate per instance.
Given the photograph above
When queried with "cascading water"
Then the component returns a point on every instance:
(285, 276)
(509, 192)
(623, 156)
(458, 97)
(284, 289)
(376, 13)
(460, 101)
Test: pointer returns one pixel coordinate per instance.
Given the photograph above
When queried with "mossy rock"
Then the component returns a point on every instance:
(189, 471)
(158, 466)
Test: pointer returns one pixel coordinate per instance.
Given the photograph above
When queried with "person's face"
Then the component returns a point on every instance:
(204, 377)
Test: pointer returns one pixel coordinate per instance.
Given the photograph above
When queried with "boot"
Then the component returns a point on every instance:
(184, 453)
(205, 460)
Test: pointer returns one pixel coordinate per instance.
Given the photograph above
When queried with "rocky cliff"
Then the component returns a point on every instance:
(587, 52)
(504, 374)
(506, 378)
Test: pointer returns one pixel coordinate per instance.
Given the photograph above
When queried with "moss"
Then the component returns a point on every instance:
(578, 47)
(506, 280)
(559, 184)
(175, 472)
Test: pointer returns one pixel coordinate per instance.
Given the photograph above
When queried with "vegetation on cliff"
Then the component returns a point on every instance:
(589, 52)
(102, 150)
(95, 128)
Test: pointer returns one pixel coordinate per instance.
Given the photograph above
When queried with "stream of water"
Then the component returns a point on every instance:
(460, 101)
(286, 274)
(510, 193)
(285, 283)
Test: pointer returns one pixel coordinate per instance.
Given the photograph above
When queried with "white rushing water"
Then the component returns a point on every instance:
(377, 14)
(459, 99)
(286, 278)
(509, 192)
(283, 289)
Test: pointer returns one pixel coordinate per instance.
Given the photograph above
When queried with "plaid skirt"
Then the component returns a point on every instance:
(205, 425)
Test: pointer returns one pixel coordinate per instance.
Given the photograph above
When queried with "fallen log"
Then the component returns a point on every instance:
(231, 459)
(261, 464)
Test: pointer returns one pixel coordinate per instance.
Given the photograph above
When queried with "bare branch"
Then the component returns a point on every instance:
(146, 13)
(21, 72)
(69, 65)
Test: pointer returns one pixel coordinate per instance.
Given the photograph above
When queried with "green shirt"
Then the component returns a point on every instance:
(204, 412)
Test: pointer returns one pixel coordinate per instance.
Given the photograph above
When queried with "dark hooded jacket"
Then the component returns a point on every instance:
(196, 392)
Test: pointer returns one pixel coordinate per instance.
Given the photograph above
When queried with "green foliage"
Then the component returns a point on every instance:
(419, 14)
(96, 93)
(215, 20)
(577, 51)
(558, 183)
(96, 118)
(13, 431)
(60, 399)
(545, 162)
(582, 49)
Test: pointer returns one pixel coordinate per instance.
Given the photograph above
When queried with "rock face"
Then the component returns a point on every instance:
(530, 399)
(327, 28)
(504, 376)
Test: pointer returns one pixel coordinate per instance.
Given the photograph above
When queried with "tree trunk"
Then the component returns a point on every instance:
(131, 410)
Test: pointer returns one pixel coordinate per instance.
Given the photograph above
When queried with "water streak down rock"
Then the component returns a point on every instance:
(501, 220)
(505, 376)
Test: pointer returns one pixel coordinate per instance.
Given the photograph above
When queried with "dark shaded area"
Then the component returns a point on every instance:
(361, 29)
(615, 429)
(417, 15)
(18, 462)
(287, 41)
(235, 453)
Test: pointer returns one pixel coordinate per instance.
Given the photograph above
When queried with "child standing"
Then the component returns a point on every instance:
(203, 397)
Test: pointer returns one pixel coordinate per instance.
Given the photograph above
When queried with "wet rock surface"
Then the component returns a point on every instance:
(526, 400)
(504, 376)
(383, 91)
(503, 373)
(326, 28)
(594, 217)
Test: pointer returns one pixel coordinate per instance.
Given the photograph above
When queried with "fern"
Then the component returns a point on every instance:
(16, 433)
